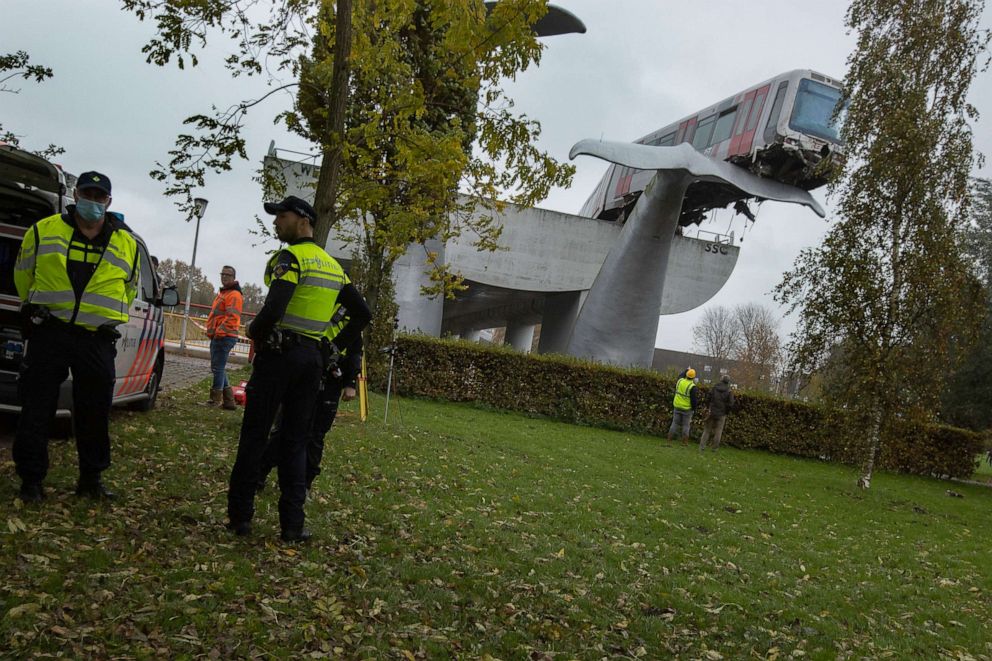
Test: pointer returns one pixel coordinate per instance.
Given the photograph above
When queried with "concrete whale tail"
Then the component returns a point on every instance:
(684, 157)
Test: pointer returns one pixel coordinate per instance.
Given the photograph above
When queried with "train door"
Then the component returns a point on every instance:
(747, 122)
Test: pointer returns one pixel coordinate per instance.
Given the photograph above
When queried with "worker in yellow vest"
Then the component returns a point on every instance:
(685, 402)
(76, 276)
(305, 285)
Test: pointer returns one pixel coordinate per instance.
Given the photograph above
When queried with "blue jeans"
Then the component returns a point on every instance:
(220, 347)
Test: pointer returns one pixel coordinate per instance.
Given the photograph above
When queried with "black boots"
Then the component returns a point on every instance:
(31, 492)
(241, 529)
(301, 535)
(95, 489)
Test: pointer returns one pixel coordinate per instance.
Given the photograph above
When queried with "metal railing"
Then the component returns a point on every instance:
(196, 336)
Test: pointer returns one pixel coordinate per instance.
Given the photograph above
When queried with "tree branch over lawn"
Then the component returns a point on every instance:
(17, 65)
(414, 131)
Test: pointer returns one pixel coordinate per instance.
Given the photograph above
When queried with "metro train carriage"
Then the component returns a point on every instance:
(782, 129)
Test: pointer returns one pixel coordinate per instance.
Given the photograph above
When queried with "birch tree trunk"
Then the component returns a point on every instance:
(874, 441)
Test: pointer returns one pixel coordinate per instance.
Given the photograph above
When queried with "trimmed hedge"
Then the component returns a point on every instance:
(582, 392)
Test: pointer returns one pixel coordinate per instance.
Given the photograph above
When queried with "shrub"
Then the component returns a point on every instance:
(587, 393)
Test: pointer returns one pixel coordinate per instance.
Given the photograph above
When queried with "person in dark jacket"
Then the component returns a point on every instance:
(721, 403)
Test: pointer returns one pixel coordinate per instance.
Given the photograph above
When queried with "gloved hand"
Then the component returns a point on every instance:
(273, 342)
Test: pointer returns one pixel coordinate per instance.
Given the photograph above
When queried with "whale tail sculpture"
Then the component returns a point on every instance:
(618, 322)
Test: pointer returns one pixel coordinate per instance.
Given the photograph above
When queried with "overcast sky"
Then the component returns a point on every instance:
(641, 65)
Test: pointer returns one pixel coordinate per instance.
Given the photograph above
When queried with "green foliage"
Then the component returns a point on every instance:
(575, 391)
(414, 132)
(888, 286)
(967, 400)
(976, 234)
(379, 333)
(176, 272)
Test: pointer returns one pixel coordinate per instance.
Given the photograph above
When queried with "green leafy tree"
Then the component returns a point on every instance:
(177, 272)
(968, 399)
(253, 296)
(888, 284)
(425, 113)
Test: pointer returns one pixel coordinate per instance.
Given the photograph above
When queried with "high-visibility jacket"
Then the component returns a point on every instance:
(42, 278)
(225, 314)
(683, 398)
(318, 282)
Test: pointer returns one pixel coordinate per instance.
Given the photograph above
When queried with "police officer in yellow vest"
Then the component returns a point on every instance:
(305, 286)
(338, 381)
(685, 402)
(76, 275)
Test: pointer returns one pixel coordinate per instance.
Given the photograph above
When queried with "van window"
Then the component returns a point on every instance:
(147, 276)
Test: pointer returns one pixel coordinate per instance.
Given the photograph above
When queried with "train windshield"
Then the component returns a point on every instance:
(814, 109)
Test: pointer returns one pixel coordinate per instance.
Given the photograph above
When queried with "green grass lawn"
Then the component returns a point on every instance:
(462, 533)
(984, 471)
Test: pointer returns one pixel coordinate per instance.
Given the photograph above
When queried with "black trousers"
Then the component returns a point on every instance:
(288, 379)
(324, 412)
(54, 350)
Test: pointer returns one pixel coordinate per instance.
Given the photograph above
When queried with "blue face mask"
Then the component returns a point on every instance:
(89, 210)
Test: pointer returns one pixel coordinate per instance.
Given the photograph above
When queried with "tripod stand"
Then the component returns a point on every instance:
(391, 350)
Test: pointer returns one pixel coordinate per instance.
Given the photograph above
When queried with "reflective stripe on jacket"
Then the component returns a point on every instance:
(317, 286)
(683, 400)
(225, 314)
(42, 278)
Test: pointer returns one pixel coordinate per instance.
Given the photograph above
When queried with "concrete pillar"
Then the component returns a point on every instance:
(560, 311)
(520, 336)
(471, 335)
(618, 321)
(410, 273)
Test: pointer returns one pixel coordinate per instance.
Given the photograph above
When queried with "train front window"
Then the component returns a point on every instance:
(814, 109)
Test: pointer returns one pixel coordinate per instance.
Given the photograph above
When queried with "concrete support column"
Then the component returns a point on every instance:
(410, 273)
(618, 321)
(471, 335)
(520, 336)
(560, 311)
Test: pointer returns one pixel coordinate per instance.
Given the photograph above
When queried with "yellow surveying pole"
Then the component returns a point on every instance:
(363, 393)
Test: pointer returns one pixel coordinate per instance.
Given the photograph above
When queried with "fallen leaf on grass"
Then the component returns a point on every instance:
(23, 609)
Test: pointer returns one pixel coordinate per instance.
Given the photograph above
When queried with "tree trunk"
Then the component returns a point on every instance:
(330, 163)
(874, 441)
(885, 350)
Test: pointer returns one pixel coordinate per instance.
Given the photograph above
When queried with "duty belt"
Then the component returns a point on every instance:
(291, 338)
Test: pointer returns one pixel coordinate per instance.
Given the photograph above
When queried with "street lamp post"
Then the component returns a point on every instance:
(201, 207)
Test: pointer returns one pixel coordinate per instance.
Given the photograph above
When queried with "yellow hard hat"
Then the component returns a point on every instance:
(690, 373)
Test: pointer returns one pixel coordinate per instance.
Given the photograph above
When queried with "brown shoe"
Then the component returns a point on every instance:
(228, 394)
(216, 397)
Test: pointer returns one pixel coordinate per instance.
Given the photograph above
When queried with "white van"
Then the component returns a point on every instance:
(32, 188)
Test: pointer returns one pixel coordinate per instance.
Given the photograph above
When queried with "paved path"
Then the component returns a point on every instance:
(181, 371)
